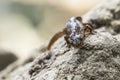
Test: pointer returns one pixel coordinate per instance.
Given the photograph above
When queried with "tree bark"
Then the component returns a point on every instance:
(98, 60)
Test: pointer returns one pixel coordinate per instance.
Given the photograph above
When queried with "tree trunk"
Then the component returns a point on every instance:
(98, 60)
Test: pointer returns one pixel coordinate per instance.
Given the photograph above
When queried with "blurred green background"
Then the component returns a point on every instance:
(26, 24)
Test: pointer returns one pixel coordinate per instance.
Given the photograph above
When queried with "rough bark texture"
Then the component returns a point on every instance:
(99, 59)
